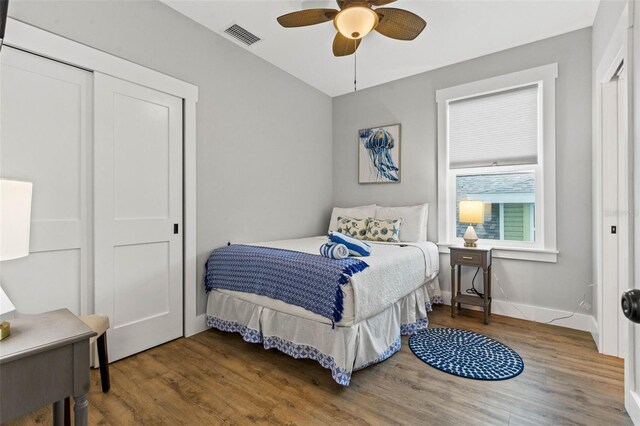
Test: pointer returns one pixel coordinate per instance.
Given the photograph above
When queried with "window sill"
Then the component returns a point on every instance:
(515, 253)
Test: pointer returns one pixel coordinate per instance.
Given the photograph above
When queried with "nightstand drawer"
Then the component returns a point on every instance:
(468, 258)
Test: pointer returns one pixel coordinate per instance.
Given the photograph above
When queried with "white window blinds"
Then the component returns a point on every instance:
(500, 128)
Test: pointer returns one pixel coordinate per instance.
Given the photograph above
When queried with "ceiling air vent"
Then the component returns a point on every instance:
(242, 35)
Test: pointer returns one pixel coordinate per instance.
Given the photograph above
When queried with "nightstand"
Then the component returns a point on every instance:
(479, 257)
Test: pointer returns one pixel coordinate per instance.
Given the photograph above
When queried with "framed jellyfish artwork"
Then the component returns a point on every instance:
(379, 154)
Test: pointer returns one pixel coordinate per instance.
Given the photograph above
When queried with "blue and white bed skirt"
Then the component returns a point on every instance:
(343, 350)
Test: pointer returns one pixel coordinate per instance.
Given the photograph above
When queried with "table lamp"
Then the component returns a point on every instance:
(15, 223)
(471, 212)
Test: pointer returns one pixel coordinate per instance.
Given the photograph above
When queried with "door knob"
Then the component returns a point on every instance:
(631, 305)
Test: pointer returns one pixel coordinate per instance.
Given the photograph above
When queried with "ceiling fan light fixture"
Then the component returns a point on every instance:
(355, 22)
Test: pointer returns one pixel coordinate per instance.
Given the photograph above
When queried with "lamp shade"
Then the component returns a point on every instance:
(355, 22)
(15, 218)
(471, 211)
(6, 307)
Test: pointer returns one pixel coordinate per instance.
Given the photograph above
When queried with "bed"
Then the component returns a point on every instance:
(390, 298)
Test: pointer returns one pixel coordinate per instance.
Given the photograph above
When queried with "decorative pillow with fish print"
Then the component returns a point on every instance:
(387, 230)
(356, 228)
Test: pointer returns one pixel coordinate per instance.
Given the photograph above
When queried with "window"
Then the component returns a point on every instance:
(496, 144)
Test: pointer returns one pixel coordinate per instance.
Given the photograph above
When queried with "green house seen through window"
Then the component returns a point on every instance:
(509, 204)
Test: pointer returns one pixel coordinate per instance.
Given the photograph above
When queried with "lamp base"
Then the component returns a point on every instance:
(5, 330)
(470, 237)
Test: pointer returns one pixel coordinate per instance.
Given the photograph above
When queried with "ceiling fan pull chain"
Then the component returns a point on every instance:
(355, 68)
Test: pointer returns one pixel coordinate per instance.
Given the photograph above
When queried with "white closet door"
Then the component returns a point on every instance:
(45, 138)
(138, 202)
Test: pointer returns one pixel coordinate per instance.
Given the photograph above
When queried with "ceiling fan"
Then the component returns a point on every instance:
(355, 19)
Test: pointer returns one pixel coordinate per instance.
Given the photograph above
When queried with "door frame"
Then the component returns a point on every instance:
(631, 372)
(49, 45)
(616, 52)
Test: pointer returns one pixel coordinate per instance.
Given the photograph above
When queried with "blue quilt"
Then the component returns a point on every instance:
(306, 280)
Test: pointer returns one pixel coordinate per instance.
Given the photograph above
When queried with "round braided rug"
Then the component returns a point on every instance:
(466, 354)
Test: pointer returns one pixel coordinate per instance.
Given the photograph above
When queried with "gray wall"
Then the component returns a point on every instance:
(411, 102)
(264, 137)
(609, 12)
(255, 122)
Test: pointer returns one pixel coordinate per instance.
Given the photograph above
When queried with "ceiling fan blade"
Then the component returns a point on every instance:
(343, 46)
(399, 24)
(342, 3)
(381, 2)
(302, 18)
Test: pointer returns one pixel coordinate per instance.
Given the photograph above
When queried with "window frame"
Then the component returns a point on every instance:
(543, 248)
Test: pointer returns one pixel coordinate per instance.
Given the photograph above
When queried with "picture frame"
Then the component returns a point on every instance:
(379, 151)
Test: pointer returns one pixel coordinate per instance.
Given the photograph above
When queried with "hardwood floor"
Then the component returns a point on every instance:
(217, 378)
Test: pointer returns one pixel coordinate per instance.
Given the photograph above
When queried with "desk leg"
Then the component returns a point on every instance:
(459, 284)
(453, 291)
(58, 413)
(81, 410)
(486, 289)
(490, 298)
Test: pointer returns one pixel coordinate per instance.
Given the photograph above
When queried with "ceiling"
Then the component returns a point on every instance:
(457, 30)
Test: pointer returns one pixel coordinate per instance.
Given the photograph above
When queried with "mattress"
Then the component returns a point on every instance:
(395, 270)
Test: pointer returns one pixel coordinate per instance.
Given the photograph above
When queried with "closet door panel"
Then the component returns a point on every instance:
(141, 150)
(45, 138)
(138, 200)
(141, 273)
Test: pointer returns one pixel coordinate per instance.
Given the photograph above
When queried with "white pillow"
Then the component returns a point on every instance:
(414, 221)
(361, 212)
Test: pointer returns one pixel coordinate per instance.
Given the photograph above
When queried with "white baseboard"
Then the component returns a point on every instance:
(632, 404)
(197, 325)
(578, 321)
(595, 333)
